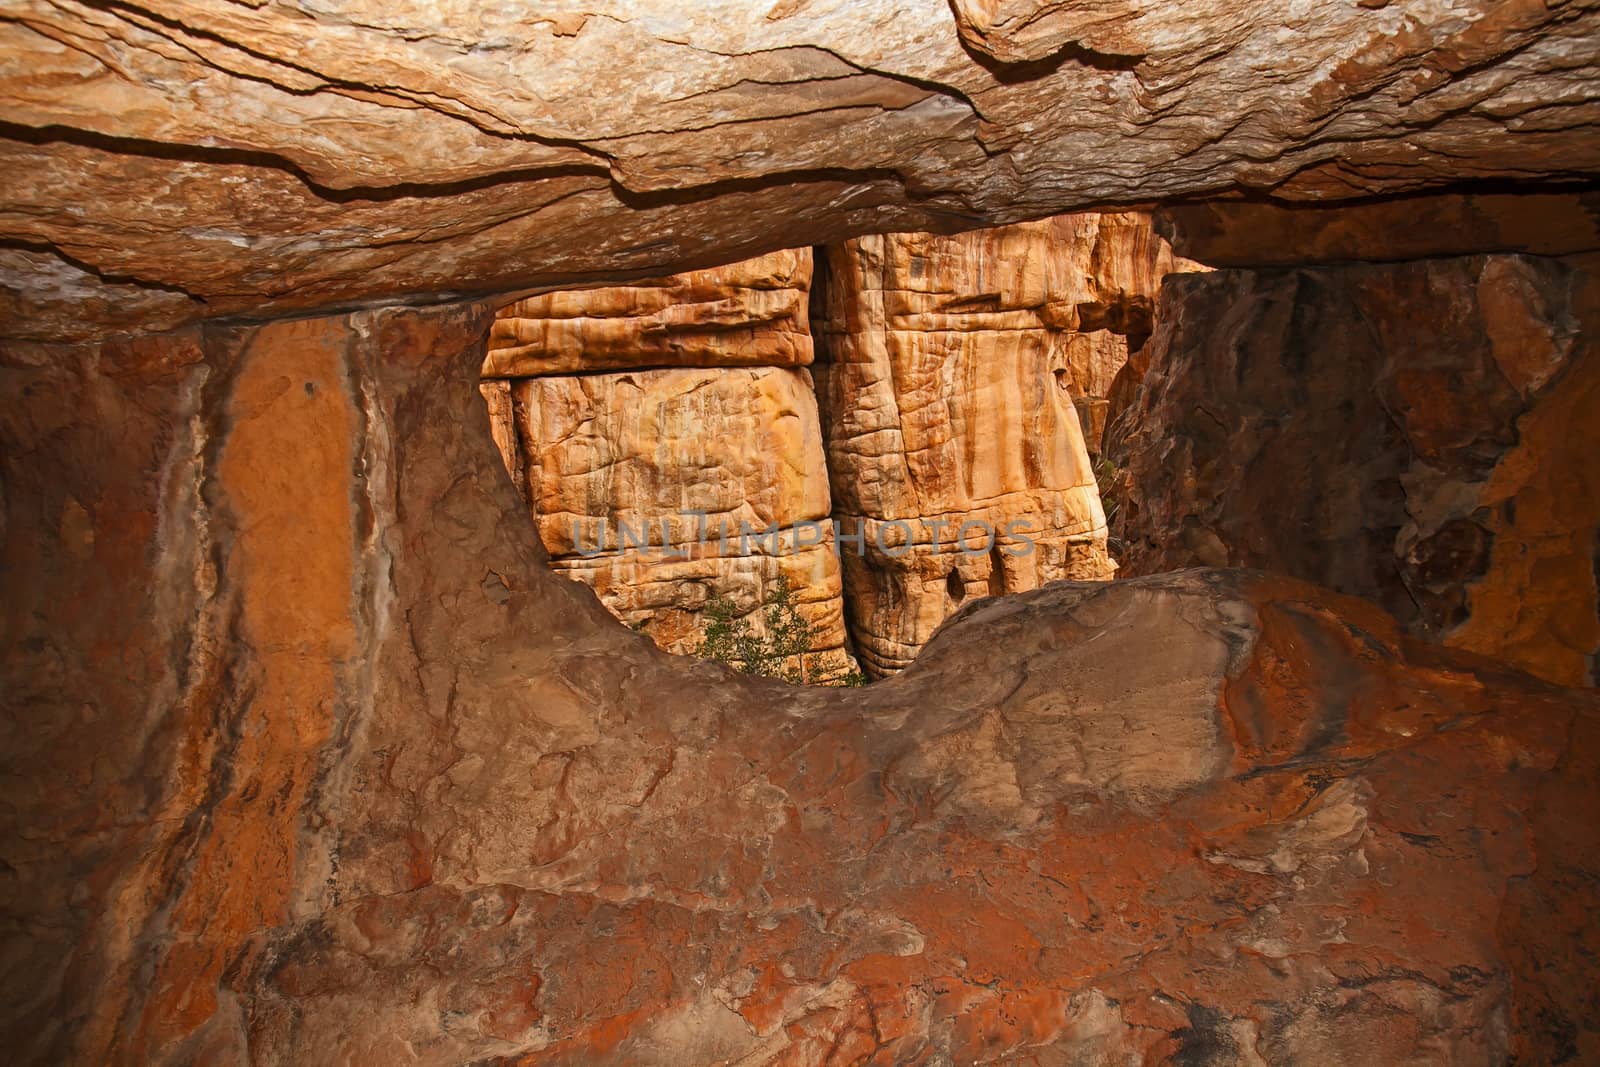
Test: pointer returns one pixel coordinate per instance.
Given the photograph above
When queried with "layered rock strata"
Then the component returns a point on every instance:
(958, 375)
(280, 156)
(1420, 433)
(319, 763)
(696, 473)
(750, 313)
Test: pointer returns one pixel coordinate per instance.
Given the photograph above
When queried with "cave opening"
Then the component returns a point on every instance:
(832, 435)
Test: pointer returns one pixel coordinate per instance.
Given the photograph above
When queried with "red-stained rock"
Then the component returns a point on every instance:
(1412, 433)
(362, 782)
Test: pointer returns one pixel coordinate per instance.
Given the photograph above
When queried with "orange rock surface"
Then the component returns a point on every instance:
(472, 818)
(660, 488)
(749, 314)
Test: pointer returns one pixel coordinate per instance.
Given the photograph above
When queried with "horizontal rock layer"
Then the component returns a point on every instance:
(751, 313)
(1256, 234)
(273, 158)
(1419, 433)
(325, 765)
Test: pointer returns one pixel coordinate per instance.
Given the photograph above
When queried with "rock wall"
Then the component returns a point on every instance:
(316, 762)
(1420, 433)
(657, 485)
(958, 376)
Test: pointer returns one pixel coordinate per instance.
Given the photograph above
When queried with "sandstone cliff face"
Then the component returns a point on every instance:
(658, 487)
(975, 350)
(1421, 434)
(268, 157)
(957, 374)
(322, 764)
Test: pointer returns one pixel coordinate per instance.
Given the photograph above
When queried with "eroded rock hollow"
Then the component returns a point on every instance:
(502, 826)
(312, 757)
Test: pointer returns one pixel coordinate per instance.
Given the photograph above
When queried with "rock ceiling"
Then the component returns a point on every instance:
(191, 159)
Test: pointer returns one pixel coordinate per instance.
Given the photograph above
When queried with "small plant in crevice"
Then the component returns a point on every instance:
(1108, 480)
(782, 651)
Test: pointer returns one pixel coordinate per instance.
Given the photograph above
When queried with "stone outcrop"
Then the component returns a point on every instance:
(958, 375)
(319, 763)
(949, 340)
(695, 474)
(273, 157)
(1100, 301)
(1420, 433)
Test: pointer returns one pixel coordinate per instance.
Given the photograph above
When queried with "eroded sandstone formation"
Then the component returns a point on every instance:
(308, 756)
(1421, 434)
(961, 324)
(354, 778)
(276, 156)
(960, 377)
(697, 472)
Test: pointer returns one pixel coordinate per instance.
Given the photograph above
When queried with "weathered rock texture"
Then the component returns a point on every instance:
(656, 489)
(281, 155)
(659, 487)
(1060, 301)
(316, 762)
(1100, 295)
(950, 372)
(1422, 434)
(752, 313)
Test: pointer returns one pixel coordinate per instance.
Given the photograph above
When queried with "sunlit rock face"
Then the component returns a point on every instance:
(954, 372)
(324, 765)
(747, 314)
(270, 157)
(697, 472)
(1422, 434)
(986, 352)
(661, 490)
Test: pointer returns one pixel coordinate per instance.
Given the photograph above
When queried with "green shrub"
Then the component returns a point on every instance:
(782, 651)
